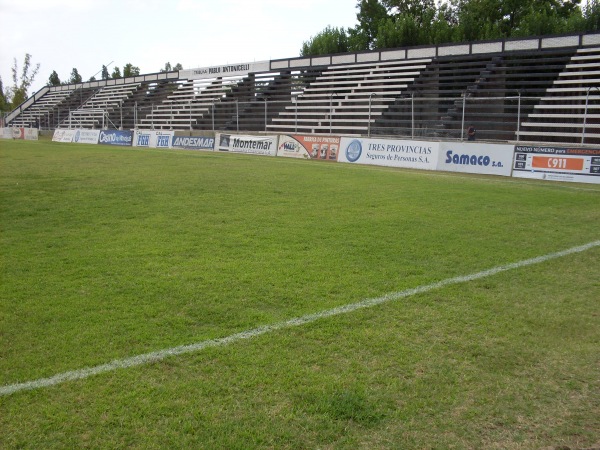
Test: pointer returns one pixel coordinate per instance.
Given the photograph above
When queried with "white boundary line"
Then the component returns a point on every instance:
(159, 355)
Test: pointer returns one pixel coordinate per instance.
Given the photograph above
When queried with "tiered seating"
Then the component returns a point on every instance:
(190, 101)
(344, 98)
(95, 111)
(487, 85)
(39, 113)
(562, 110)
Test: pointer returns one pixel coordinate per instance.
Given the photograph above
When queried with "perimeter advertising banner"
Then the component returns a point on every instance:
(392, 153)
(62, 135)
(558, 164)
(309, 147)
(153, 138)
(488, 159)
(254, 145)
(86, 136)
(116, 137)
(193, 142)
(29, 134)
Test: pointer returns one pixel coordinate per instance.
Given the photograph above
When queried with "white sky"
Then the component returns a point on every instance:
(85, 34)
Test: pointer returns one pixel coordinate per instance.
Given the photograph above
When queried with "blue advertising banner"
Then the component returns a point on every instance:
(116, 137)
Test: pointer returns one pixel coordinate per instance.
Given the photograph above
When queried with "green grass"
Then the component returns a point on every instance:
(108, 253)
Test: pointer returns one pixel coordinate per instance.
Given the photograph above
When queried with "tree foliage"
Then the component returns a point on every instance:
(4, 103)
(21, 83)
(54, 80)
(75, 77)
(399, 23)
(129, 70)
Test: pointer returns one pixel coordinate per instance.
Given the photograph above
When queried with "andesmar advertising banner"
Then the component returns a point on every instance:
(153, 138)
(86, 136)
(557, 163)
(254, 145)
(488, 159)
(62, 135)
(387, 152)
(309, 147)
(193, 142)
(116, 137)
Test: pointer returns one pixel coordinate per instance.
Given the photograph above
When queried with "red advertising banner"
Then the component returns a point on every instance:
(309, 147)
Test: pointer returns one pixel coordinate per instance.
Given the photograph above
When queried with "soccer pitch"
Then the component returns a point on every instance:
(207, 300)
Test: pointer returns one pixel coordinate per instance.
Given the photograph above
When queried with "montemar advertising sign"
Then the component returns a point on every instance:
(309, 147)
(392, 153)
(558, 164)
(254, 145)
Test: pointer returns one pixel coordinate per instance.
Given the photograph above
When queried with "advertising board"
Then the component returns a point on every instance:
(86, 136)
(29, 134)
(482, 158)
(254, 145)
(116, 137)
(309, 147)
(580, 165)
(388, 152)
(153, 138)
(193, 142)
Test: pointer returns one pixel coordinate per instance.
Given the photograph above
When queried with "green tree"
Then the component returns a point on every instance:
(330, 40)
(167, 67)
(75, 77)
(591, 15)
(21, 84)
(371, 13)
(116, 73)
(104, 74)
(413, 8)
(129, 70)
(178, 66)
(4, 104)
(54, 80)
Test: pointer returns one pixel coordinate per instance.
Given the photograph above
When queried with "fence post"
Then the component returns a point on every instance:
(266, 114)
(237, 115)
(519, 117)
(412, 115)
(370, 101)
(462, 124)
(213, 117)
(587, 100)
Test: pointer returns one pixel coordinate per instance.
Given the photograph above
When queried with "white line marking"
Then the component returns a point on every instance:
(148, 358)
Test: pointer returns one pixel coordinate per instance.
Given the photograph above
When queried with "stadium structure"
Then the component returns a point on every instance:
(541, 89)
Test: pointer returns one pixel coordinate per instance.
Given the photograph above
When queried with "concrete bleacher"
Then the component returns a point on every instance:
(571, 102)
(99, 110)
(517, 89)
(40, 111)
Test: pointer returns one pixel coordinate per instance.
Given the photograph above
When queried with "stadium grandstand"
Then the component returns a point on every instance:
(540, 89)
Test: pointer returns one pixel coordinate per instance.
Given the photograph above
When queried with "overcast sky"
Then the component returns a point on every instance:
(85, 34)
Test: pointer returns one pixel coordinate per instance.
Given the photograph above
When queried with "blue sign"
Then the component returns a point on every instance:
(116, 137)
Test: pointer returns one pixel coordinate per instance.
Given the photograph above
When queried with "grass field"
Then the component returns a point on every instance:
(109, 253)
